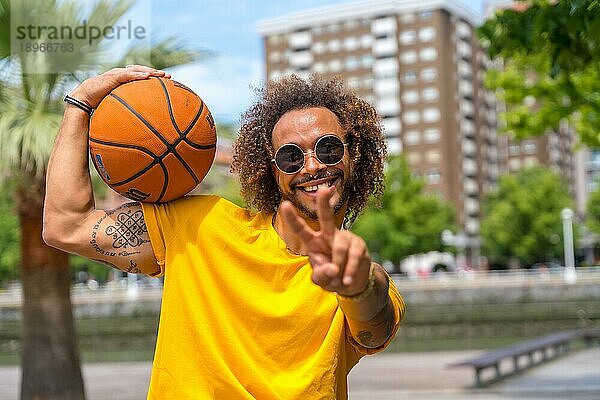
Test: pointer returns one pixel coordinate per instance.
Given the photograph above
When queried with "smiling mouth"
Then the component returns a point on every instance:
(313, 186)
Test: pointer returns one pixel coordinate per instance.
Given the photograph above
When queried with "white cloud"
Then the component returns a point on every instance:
(224, 82)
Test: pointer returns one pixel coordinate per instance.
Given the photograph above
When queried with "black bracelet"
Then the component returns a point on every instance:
(78, 103)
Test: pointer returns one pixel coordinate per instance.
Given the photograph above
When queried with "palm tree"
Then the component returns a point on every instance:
(31, 109)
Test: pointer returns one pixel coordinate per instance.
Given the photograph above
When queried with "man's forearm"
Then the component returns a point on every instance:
(371, 319)
(68, 184)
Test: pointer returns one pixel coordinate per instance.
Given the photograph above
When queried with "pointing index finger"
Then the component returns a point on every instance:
(325, 213)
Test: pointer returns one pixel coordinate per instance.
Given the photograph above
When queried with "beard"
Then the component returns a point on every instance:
(307, 213)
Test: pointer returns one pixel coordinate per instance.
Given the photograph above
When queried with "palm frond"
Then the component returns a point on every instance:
(31, 86)
(26, 140)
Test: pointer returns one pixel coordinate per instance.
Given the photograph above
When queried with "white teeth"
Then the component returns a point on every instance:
(323, 185)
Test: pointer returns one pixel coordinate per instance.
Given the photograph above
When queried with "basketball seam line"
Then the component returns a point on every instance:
(155, 161)
(159, 136)
(181, 135)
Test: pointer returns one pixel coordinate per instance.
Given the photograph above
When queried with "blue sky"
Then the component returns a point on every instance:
(228, 29)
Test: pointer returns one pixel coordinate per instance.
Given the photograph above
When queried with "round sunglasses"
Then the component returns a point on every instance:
(329, 150)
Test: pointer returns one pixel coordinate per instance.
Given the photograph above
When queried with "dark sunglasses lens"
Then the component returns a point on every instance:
(289, 158)
(330, 150)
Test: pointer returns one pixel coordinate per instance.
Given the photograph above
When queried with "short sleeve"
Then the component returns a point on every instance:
(164, 220)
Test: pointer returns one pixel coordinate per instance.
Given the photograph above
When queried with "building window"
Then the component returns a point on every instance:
(366, 61)
(353, 83)
(427, 34)
(391, 126)
(351, 24)
(366, 40)
(335, 65)
(351, 63)
(319, 47)
(430, 94)
(412, 137)
(409, 77)
(333, 28)
(407, 18)
(428, 54)
(394, 146)
(514, 164)
(425, 14)
(463, 30)
(383, 26)
(429, 74)
(431, 135)
(433, 156)
(351, 43)
(408, 37)
(385, 68)
(529, 147)
(413, 158)
(431, 114)
(275, 57)
(433, 176)
(530, 161)
(408, 57)
(411, 117)
(514, 149)
(410, 97)
(334, 45)
(385, 48)
(319, 67)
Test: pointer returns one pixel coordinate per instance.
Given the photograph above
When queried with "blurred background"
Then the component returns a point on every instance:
(490, 221)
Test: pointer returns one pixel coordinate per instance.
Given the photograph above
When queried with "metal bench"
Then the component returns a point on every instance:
(589, 335)
(545, 347)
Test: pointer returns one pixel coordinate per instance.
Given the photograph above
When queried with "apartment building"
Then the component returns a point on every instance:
(418, 62)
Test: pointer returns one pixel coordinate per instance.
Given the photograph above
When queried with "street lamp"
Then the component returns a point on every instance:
(567, 217)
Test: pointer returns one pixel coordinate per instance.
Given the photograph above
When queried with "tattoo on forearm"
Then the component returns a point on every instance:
(127, 229)
(126, 232)
(132, 268)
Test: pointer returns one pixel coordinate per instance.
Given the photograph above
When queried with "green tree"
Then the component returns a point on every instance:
(9, 236)
(522, 217)
(593, 212)
(409, 220)
(549, 53)
(31, 112)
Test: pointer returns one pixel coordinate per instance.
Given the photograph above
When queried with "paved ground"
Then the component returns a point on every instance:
(418, 376)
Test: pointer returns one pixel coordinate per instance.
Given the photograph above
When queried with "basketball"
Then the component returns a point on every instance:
(152, 140)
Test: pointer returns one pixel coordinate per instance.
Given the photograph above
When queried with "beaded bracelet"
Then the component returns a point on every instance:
(365, 293)
(78, 103)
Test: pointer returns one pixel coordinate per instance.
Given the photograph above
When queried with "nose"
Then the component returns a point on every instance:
(312, 165)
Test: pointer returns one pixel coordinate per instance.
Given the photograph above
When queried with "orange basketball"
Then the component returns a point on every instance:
(152, 140)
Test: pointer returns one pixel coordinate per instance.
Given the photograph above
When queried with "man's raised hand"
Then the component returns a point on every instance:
(93, 90)
(340, 259)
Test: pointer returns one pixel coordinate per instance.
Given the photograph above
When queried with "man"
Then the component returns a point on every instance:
(278, 304)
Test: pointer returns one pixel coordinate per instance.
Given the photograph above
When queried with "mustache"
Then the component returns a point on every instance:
(320, 175)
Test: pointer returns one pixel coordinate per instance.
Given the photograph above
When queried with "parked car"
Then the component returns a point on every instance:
(425, 264)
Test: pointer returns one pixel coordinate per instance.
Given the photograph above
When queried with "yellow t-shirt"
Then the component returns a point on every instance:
(240, 316)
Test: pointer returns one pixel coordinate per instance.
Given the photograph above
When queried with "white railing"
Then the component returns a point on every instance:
(495, 278)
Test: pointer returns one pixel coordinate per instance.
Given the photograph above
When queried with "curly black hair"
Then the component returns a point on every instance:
(253, 148)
